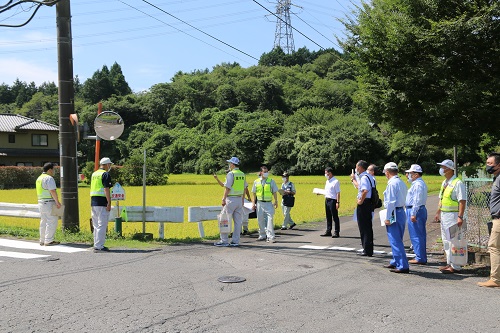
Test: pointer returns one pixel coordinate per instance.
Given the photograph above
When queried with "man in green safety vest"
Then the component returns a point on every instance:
(46, 192)
(232, 201)
(100, 202)
(450, 212)
(264, 189)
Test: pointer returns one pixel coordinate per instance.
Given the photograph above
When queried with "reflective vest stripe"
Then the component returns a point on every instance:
(238, 187)
(263, 193)
(96, 186)
(447, 203)
(42, 193)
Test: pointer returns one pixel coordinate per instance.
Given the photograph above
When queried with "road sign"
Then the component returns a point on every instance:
(117, 192)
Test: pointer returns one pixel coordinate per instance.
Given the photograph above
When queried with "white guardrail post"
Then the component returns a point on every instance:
(203, 213)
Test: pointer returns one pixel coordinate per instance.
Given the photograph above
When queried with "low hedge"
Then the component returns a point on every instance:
(23, 177)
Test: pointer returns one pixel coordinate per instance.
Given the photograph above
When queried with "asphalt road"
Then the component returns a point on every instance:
(298, 284)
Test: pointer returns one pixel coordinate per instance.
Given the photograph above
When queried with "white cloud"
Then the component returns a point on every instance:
(28, 71)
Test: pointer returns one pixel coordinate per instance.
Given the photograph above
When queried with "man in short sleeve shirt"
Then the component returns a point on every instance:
(364, 209)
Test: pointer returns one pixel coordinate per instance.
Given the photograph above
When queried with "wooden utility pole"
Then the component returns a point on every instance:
(67, 137)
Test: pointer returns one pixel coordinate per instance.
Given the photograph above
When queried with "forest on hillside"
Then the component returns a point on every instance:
(414, 79)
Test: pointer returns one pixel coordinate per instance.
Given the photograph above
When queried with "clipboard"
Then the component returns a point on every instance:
(57, 211)
(319, 191)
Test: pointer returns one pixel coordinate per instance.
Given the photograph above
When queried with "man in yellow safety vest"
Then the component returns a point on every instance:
(450, 212)
(100, 202)
(232, 201)
(46, 192)
(264, 189)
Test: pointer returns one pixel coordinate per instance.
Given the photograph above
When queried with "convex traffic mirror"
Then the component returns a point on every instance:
(109, 125)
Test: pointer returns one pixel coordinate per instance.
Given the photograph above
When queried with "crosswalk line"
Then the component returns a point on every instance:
(348, 249)
(17, 244)
(341, 248)
(313, 247)
(20, 255)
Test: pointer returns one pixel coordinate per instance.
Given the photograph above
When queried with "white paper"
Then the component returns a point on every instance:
(319, 191)
(281, 191)
(383, 216)
(57, 211)
(247, 207)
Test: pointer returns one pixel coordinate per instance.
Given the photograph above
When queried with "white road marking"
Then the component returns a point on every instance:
(341, 248)
(313, 247)
(35, 246)
(20, 255)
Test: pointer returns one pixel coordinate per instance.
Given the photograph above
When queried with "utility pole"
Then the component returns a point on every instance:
(67, 137)
(283, 36)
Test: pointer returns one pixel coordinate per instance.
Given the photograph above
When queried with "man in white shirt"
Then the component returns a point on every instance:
(332, 202)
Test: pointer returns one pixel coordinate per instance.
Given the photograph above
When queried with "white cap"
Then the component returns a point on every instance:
(415, 168)
(390, 166)
(448, 163)
(105, 160)
(234, 160)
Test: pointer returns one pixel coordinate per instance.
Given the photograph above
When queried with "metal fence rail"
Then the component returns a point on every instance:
(477, 210)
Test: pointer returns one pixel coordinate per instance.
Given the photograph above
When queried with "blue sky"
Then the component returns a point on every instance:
(150, 45)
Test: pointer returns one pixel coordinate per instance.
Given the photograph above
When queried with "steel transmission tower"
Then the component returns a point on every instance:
(283, 36)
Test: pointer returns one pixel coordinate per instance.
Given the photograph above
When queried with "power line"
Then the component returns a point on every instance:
(203, 32)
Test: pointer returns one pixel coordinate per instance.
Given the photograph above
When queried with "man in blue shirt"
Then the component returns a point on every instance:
(394, 201)
(416, 214)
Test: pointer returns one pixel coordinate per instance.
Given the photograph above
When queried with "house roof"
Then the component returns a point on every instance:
(14, 123)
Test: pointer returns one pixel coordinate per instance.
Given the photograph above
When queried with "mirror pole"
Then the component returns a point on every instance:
(97, 142)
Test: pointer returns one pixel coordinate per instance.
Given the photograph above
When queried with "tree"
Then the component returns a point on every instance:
(98, 87)
(117, 78)
(430, 67)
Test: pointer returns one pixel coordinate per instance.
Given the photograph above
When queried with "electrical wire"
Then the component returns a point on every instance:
(182, 30)
(203, 32)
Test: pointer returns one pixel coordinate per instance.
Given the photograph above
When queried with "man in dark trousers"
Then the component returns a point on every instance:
(364, 208)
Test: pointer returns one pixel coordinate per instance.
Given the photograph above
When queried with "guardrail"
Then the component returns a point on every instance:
(156, 214)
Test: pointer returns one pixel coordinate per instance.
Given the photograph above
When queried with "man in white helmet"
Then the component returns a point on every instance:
(100, 201)
(450, 212)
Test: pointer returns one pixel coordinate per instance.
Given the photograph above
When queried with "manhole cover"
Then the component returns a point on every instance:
(231, 279)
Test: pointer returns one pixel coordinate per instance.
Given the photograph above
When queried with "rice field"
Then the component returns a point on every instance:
(202, 190)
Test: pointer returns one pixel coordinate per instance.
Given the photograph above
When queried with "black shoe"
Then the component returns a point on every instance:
(326, 234)
(389, 266)
(104, 249)
(362, 254)
(293, 225)
(336, 235)
(245, 232)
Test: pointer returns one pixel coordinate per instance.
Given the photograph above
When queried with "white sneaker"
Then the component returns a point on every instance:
(261, 238)
(234, 244)
(220, 243)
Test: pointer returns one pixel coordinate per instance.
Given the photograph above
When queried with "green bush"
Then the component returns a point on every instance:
(23, 177)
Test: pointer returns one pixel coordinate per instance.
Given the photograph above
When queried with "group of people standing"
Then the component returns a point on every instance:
(407, 207)
(100, 202)
(403, 207)
(264, 202)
